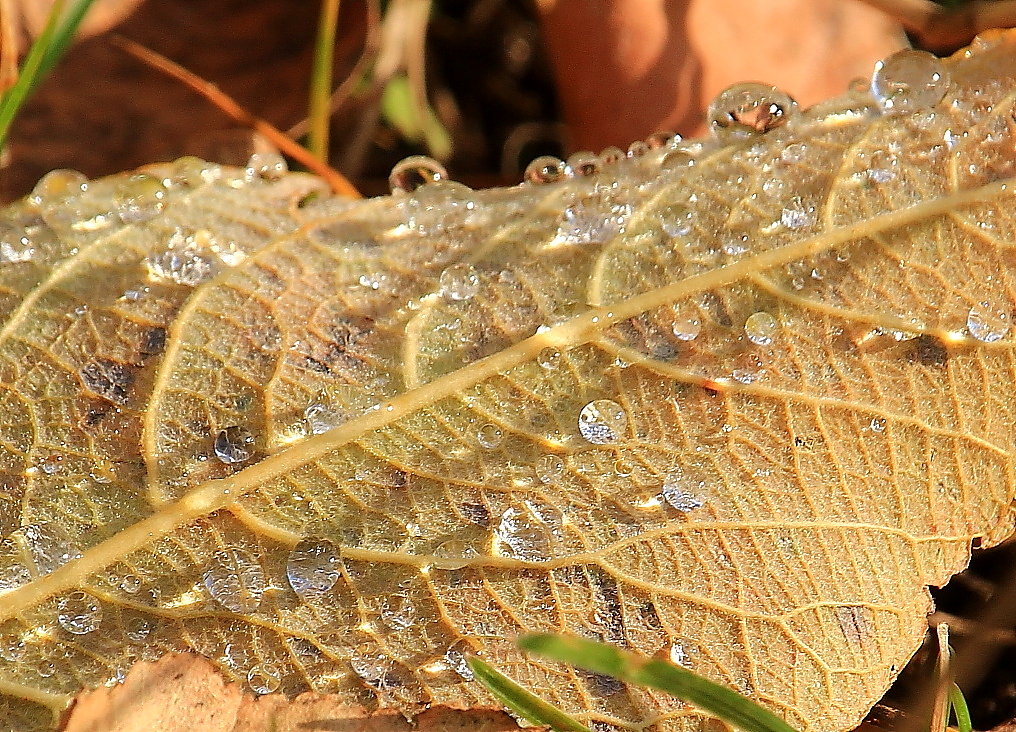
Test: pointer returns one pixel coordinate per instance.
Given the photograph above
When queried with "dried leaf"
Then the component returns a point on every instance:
(182, 692)
(741, 412)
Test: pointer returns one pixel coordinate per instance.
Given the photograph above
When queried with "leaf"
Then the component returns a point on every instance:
(340, 445)
(181, 692)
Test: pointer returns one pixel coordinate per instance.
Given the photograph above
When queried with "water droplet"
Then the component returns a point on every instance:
(321, 417)
(526, 535)
(761, 328)
(47, 544)
(591, 220)
(313, 567)
(456, 661)
(987, 322)
(269, 167)
(372, 666)
(746, 109)
(549, 469)
(183, 262)
(638, 149)
(141, 198)
(137, 628)
(459, 282)
(677, 219)
(678, 656)
(546, 169)
(797, 215)
(549, 358)
(603, 422)
(79, 613)
(680, 491)
(192, 172)
(234, 578)
(909, 81)
(264, 679)
(398, 612)
(58, 184)
(611, 155)
(584, 163)
(877, 425)
(440, 206)
(12, 649)
(415, 171)
(686, 328)
(662, 139)
(678, 159)
(234, 445)
(489, 436)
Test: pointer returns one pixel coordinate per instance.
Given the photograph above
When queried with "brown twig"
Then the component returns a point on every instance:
(338, 182)
(940, 28)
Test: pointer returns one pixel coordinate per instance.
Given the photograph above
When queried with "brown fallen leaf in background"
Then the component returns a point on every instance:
(182, 692)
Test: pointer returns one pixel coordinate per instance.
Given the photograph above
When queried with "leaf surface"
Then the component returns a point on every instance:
(741, 412)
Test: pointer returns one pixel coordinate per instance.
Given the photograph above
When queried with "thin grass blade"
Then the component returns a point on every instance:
(522, 702)
(717, 700)
(319, 113)
(960, 709)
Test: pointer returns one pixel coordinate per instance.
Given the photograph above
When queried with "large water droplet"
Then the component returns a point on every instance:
(184, 262)
(415, 171)
(686, 327)
(234, 445)
(141, 198)
(48, 545)
(584, 163)
(57, 185)
(459, 282)
(398, 612)
(489, 436)
(549, 469)
(235, 579)
(313, 567)
(79, 613)
(681, 491)
(546, 169)
(909, 81)
(526, 536)
(988, 323)
(603, 422)
(761, 329)
(267, 166)
(456, 661)
(264, 679)
(746, 109)
(372, 666)
(440, 206)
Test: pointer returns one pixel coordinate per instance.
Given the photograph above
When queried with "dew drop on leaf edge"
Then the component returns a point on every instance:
(546, 169)
(909, 81)
(410, 173)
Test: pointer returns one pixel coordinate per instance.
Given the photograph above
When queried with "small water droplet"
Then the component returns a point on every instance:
(664, 138)
(489, 436)
(235, 579)
(268, 166)
(686, 328)
(398, 612)
(234, 445)
(909, 81)
(456, 660)
(549, 469)
(584, 163)
(603, 422)
(79, 613)
(678, 656)
(141, 198)
(987, 322)
(137, 628)
(638, 149)
(546, 169)
(12, 649)
(611, 155)
(372, 666)
(459, 282)
(183, 262)
(746, 109)
(415, 171)
(549, 358)
(57, 185)
(797, 215)
(313, 567)
(877, 425)
(264, 679)
(761, 328)
(526, 535)
(678, 159)
(681, 491)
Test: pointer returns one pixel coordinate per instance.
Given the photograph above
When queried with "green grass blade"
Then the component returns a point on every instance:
(319, 113)
(62, 38)
(960, 709)
(520, 701)
(717, 700)
(14, 97)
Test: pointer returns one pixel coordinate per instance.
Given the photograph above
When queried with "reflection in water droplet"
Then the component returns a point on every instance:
(264, 679)
(761, 328)
(877, 425)
(603, 421)
(686, 328)
(746, 109)
(611, 155)
(662, 139)
(234, 445)
(584, 163)
(909, 81)
(546, 169)
(459, 282)
(489, 436)
(268, 167)
(415, 171)
(141, 198)
(987, 322)
(680, 491)
(79, 613)
(313, 567)
(234, 578)
(638, 149)
(549, 469)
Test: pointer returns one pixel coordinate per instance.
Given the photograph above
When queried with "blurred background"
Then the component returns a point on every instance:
(484, 86)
